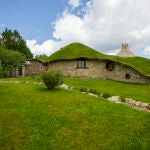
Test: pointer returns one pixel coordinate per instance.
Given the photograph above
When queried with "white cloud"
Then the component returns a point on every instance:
(105, 25)
(47, 47)
(147, 51)
(70, 28)
(113, 3)
(74, 3)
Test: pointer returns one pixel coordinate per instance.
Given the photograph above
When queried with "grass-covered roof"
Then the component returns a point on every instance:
(75, 50)
(78, 50)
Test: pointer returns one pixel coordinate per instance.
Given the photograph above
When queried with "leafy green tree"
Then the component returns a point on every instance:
(42, 57)
(12, 40)
(9, 60)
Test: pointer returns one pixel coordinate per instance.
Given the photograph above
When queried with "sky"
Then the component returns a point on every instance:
(48, 25)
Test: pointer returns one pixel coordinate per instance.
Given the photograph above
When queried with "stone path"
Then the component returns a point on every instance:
(128, 101)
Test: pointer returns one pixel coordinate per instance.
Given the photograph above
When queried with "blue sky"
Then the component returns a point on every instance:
(48, 25)
(32, 18)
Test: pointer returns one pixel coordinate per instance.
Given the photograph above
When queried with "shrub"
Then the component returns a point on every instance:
(38, 79)
(122, 99)
(83, 89)
(52, 78)
(106, 95)
(93, 91)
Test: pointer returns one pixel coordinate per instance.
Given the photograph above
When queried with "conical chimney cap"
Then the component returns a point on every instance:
(125, 51)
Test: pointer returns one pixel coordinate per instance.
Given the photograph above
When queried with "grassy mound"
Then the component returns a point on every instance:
(76, 50)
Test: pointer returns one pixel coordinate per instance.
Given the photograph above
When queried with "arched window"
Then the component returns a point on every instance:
(110, 66)
(127, 77)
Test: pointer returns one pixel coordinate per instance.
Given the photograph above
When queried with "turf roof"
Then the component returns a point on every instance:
(78, 50)
(75, 50)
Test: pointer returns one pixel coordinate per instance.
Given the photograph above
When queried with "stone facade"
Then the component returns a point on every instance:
(99, 69)
(33, 67)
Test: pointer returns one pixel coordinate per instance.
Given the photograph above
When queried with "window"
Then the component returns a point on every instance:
(110, 66)
(27, 62)
(127, 76)
(41, 67)
(81, 64)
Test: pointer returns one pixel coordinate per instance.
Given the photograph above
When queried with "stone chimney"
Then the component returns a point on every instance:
(125, 46)
(125, 51)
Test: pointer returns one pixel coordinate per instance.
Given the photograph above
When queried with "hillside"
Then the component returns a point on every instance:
(78, 50)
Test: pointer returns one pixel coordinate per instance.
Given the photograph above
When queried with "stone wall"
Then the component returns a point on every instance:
(98, 69)
(33, 67)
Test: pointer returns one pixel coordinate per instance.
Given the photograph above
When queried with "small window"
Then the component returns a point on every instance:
(27, 62)
(127, 77)
(81, 64)
(41, 67)
(110, 66)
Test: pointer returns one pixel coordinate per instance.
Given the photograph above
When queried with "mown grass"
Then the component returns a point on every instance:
(125, 90)
(31, 117)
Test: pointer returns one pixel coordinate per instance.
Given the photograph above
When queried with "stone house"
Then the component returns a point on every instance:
(33, 67)
(84, 62)
(96, 66)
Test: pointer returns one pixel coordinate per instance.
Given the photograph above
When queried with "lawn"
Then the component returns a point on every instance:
(126, 90)
(31, 117)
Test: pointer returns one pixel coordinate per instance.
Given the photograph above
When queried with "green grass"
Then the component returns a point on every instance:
(78, 50)
(31, 117)
(23, 79)
(126, 90)
(75, 50)
(140, 64)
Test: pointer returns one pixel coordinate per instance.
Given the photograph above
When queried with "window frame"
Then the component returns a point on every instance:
(110, 66)
(41, 68)
(81, 63)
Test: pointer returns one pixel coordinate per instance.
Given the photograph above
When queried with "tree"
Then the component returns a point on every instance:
(9, 60)
(42, 57)
(12, 40)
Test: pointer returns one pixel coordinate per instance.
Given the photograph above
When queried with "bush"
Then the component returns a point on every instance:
(52, 78)
(106, 95)
(83, 90)
(122, 99)
(93, 91)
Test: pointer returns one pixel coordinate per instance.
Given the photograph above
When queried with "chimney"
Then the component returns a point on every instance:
(125, 46)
